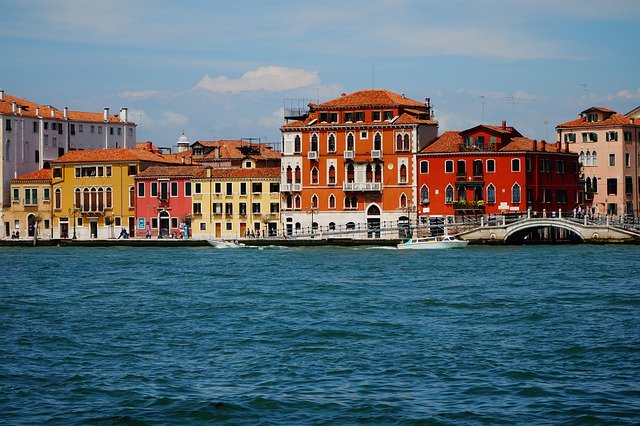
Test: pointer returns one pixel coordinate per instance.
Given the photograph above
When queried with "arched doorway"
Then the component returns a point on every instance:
(31, 225)
(163, 219)
(373, 221)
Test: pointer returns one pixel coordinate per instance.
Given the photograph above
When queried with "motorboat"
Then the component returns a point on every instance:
(225, 244)
(437, 242)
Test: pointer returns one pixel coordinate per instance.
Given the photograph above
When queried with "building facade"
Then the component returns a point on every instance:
(494, 170)
(32, 135)
(94, 193)
(349, 163)
(608, 147)
(31, 209)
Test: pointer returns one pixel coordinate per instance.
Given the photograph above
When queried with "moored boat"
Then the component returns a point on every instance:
(438, 242)
(225, 244)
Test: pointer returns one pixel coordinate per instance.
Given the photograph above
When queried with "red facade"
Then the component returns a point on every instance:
(494, 170)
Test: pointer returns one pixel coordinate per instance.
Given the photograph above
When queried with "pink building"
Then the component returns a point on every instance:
(163, 200)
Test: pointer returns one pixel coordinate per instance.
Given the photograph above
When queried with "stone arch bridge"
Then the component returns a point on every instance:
(550, 228)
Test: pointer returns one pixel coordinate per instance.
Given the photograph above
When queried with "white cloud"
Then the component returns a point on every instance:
(523, 95)
(627, 94)
(269, 78)
(141, 94)
(171, 118)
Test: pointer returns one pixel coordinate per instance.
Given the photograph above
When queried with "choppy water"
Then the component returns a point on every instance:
(495, 335)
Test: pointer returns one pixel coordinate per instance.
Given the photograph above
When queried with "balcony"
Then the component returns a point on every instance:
(362, 186)
(312, 155)
(469, 205)
(297, 187)
(376, 154)
(348, 155)
(286, 187)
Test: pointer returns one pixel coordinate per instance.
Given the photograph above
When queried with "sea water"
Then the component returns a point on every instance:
(484, 335)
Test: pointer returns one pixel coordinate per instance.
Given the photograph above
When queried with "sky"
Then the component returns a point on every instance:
(224, 69)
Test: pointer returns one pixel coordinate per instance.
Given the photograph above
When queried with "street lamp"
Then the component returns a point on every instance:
(312, 211)
(75, 237)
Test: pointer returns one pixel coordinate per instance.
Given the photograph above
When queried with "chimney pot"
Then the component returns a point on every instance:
(504, 124)
(105, 114)
(66, 113)
(124, 115)
(14, 107)
(37, 111)
(1, 94)
(53, 113)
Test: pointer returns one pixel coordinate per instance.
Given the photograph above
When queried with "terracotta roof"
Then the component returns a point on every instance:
(173, 171)
(411, 119)
(449, 141)
(600, 109)
(112, 155)
(526, 144)
(232, 150)
(238, 173)
(38, 175)
(45, 111)
(382, 98)
(614, 120)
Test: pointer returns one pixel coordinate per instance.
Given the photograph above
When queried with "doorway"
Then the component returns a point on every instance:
(164, 223)
(373, 221)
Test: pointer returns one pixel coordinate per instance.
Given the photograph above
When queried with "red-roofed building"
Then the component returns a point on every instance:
(608, 147)
(493, 170)
(349, 163)
(33, 134)
(30, 211)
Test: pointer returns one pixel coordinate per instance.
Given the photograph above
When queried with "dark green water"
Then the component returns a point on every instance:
(484, 335)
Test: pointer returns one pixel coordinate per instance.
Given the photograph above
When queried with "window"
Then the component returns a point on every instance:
(332, 201)
(107, 171)
(387, 115)
(628, 185)
(174, 189)
(243, 188)
(448, 166)
(197, 188)
(627, 160)
(187, 189)
(57, 204)
(403, 142)
(255, 208)
(424, 195)
(228, 209)
(7, 125)
(274, 208)
(589, 137)
(314, 176)
(140, 189)
(351, 203)
(57, 172)
(91, 130)
(462, 168)
(491, 194)
(331, 143)
(477, 168)
(448, 194)
(569, 137)
(332, 175)
(274, 187)
(314, 143)
(350, 142)
(592, 117)
(612, 136)
(132, 170)
(35, 127)
(16, 194)
(256, 187)
(242, 209)
(403, 173)
(628, 136)
(154, 189)
(424, 167)
(217, 208)
(364, 134)
(217, 188)
(375, 115)
(515, 194)
(248, 164)
(45, 194)
(377, 141)
(612, 160)
(164, 190)
(197, 208)
(99, 130)
(297, 145)
(612, 186)
(515, 164)
(314, 201)
(229, 188)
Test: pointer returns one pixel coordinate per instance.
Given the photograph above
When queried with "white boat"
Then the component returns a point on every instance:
(225, 244)
(427, 243)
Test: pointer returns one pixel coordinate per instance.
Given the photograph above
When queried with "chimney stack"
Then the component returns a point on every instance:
(1, 94)
(66, 113)
(14, 107)
(105, 115)
(53, 113)
(38, 112)
(124, 115)
(504, 124)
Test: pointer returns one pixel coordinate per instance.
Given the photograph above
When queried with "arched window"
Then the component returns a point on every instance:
(587, 185)
(424, 195)
(298, 175)
(100, 199)
(314, 142)
(377, 141)
(86, 200)
(594, 159)
(297, 145)
(403, 173)
(462, 193)
(109, 201)
(314, 201)
(407, 145)
(399, 143)
(403, 201)
(582, 158)
(289, 175)
(332, 175)
(369, 173)
(373, 210)
(297, 202)
(332, 226)
(77, 202)
(314, 176)
(588, 163)
(594, 184)
(378, 174)
(94, 200)
(491, 194)
(350, 173)
(58, 199)
(515, 194)
(289, 202)
(350, 142)
(132, 196)
(448, 194)
(332, 201)
(331, 144)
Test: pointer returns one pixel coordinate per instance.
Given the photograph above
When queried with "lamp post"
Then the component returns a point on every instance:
(75, 237)
(312, 211)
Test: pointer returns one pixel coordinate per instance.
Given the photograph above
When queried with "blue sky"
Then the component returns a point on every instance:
(221, 69)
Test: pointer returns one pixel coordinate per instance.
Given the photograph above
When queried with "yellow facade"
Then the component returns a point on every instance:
(236, 203)
(93, 199)
(31, 207)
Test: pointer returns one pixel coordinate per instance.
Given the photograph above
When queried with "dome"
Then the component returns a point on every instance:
(182, 140)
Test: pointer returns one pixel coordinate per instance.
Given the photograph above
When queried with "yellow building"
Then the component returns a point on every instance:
(93, 191)
(30, 212)
(239, 202)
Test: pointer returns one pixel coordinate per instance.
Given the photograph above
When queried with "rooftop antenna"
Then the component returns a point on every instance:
(139, 130)
(483, 102)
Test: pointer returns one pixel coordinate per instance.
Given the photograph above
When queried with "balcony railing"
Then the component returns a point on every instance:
(362, 186)
(297, 187)
(312, 155)
(348, 155)
(376, 154)
(468, 205)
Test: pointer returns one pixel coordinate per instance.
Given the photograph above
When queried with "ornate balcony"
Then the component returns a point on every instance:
(362, 186)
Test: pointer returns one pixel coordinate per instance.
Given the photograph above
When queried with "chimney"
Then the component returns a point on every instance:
(19, 110)
(124, 115)
(66, 113)
(1, 94)
(14, 107)
(37, 111)
(53, 113)
(504, 124)
(544, 146)
(149, 145)
(105, 114)
(427, 102)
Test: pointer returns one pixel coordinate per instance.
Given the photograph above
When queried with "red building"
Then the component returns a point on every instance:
(163, 200)
(494, 170)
